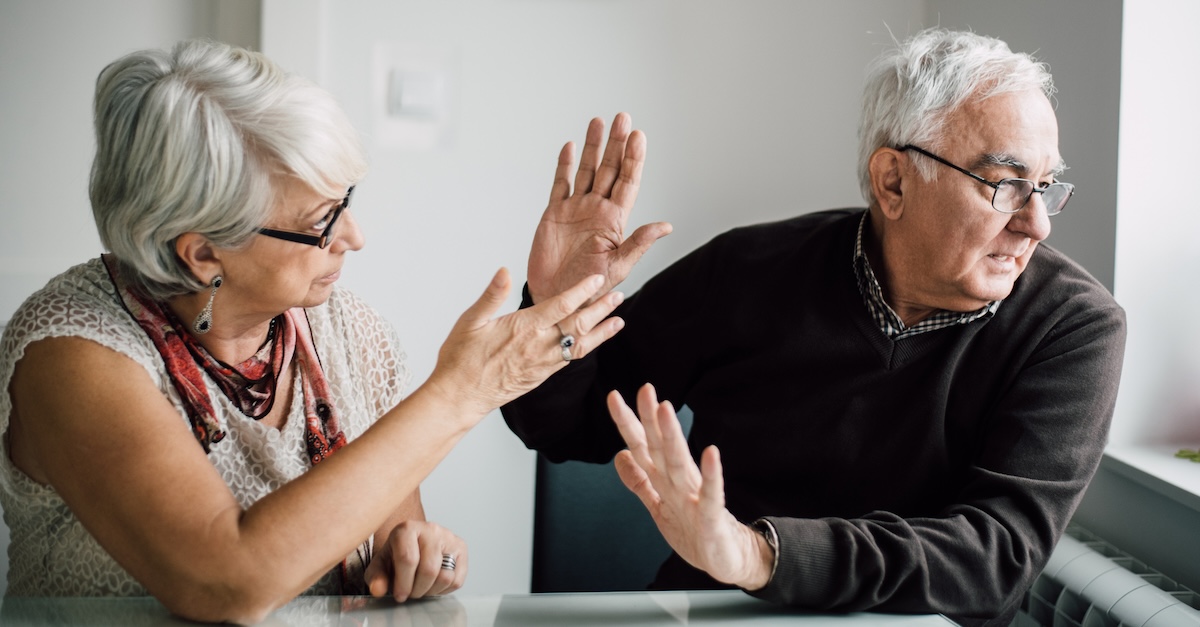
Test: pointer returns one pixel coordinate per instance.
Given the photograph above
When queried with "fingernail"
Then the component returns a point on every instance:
(597, 280)
(618, 298)
(618, 324)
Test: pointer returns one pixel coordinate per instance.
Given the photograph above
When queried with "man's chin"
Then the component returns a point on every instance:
(994, 291)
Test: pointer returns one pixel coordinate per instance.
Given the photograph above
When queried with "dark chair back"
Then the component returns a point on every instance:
(590, 533)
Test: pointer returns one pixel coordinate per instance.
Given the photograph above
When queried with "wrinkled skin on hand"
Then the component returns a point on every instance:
(686, 502)
(582, 231)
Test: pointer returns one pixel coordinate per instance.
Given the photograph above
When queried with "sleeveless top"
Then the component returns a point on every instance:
(50, 553)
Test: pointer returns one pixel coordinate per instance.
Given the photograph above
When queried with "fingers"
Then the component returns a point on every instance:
(637, 481)
(590, 157)
(629, 174)
(624, 155)
(657, 442)
(712, 486)
(430, 578)
(406, 558)
(589, 326)
(413, 558)
(678, 464)
(631, 430)
(647, 402)
(379, 571)
(493, 297)
(555, 309)
(614, 155)
(561, 188)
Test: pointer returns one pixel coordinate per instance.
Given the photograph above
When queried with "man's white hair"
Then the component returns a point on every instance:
(911, 89)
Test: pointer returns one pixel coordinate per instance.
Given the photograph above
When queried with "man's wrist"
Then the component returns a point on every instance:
(761, 558)
(768, 543)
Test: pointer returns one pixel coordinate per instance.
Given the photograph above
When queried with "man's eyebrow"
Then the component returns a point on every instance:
(1005, 160)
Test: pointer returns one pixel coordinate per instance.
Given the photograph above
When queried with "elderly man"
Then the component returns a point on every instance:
(896, 408)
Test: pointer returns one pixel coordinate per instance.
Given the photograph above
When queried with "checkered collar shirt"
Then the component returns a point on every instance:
(883, 315)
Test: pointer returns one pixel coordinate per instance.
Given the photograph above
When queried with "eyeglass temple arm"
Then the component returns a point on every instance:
(299, 238)
(942, 161)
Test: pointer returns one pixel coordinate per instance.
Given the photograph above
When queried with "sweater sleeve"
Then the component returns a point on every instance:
(974, 559)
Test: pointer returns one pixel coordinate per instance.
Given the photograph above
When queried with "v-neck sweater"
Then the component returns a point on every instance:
(933, 473)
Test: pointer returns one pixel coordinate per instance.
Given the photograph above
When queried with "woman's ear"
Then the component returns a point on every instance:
(198, 256)
(886, 167)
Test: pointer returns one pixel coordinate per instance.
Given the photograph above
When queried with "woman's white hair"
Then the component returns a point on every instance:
(192, 140)
(911, 89)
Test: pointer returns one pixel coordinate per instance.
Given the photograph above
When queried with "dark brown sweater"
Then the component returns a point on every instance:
(930, 474)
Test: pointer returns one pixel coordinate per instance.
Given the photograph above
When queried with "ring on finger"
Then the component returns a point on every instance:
(448, 562)
(565, 344)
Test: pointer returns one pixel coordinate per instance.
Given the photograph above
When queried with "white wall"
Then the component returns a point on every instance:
(1157, 251)
(1144, 499)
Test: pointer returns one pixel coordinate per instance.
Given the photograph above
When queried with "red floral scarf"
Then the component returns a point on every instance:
(250, 385)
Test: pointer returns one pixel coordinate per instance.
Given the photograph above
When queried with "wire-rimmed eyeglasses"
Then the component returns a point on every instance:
(320, 241)
(1011, 195)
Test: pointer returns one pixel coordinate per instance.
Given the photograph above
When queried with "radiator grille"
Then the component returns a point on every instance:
(1090, 583)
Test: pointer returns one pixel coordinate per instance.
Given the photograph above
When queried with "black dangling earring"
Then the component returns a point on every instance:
(203, 323)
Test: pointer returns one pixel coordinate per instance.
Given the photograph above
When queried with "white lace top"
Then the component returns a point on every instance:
(50, 553)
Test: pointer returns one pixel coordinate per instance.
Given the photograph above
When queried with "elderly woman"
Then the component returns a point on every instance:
(201, 414)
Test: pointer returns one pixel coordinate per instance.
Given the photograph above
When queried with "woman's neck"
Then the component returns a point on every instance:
(233, 336)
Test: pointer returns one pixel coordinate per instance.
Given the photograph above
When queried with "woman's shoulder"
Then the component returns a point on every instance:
(77, 298)
(81, 302)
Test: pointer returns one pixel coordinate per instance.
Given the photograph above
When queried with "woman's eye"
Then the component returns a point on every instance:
(323, 222)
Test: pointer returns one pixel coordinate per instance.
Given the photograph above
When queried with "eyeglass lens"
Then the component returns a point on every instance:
(327, 235)
(1013, 194)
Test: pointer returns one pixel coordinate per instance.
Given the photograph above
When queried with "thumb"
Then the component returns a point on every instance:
(640, 241)
(712, 488)
(376, 576)
(489, 302)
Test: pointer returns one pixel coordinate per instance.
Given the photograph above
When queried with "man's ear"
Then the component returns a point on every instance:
(198, 256)
(886, 167)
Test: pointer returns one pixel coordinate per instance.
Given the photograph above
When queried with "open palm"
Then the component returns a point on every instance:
(582, 231)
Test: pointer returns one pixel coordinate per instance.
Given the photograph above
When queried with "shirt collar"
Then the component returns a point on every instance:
(885, 317)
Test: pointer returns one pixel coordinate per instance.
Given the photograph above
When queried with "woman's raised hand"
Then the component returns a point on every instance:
(487, 362)
(582, 231)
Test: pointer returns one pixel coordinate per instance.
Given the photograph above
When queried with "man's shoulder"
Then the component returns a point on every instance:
(1058, 287)
(829, 227)
(1051, 269)
(803, 223)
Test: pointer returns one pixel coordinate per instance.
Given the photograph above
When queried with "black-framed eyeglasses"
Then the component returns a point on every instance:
(1011, 195)
(326, 236)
